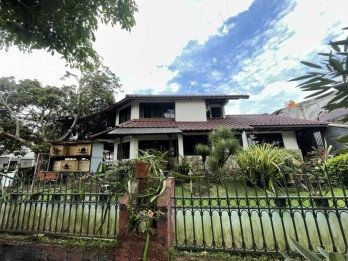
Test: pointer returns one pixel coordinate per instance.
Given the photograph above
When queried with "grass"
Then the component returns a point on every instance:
(200, 255)
(63, 241)
(233, 192)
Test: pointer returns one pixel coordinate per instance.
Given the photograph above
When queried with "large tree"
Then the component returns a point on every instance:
(30, 112)
(65, 27)
(330, 76)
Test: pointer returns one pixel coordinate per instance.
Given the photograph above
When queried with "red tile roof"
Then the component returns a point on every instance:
(235, 122)
(272, 120)
(150, 123)
(187, 125)
(212, 124)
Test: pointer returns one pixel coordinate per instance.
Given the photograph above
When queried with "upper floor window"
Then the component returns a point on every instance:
(157, 110)
(214, 112)
(125, 114)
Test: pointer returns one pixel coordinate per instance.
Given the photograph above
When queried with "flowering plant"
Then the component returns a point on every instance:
(142, 220)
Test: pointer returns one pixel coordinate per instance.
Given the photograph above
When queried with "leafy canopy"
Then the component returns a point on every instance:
(65, 27)
(30, 112)
(331, 76)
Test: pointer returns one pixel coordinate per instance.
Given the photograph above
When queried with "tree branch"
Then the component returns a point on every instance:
(17, 138)
(12, 113)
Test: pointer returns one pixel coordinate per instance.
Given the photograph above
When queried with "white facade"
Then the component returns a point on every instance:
(190, 110)
(186, 110)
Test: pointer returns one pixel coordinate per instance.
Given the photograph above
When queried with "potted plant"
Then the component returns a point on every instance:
(143, 213)
(142, 164)
(149, 162)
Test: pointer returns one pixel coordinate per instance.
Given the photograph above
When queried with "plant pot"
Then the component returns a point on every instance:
(142, 169)
(321, 202)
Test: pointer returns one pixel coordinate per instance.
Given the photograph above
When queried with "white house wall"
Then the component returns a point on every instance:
(134, 111)
(290, 140)
(190, 111)
(97, 155)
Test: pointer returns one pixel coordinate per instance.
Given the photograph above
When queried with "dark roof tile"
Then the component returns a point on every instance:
(261, 120)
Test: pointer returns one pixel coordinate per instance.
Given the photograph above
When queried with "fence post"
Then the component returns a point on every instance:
(123, 216)
(165, 222)
(126, 200)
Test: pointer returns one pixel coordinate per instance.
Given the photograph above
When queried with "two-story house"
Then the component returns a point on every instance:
(178, 122)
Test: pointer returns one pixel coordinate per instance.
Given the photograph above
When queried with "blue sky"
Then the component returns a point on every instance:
(208, 47)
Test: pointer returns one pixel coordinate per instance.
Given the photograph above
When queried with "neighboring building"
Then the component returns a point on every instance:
(178, 122)
(312, 109)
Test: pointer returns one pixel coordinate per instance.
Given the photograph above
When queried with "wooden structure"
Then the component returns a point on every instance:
(69, 157)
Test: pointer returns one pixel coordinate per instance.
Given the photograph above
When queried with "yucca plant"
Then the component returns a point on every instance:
(203, 151)
(310, 255)
(224, 145)
(262, 162)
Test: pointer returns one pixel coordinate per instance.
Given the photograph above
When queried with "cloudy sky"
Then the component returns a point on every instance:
(208, 47)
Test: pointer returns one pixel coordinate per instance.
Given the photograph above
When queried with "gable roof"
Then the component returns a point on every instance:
(248, 122)
(275, 121)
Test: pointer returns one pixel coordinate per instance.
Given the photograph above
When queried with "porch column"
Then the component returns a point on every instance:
(115, 151)
(180, 145)
(244, 140)
(133, 150)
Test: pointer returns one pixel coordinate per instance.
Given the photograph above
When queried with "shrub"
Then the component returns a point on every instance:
(224, 145)
(337, 168)
(263, 162)
(203, 151)
(185, 166)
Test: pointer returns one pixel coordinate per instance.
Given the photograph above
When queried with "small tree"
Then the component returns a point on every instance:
(203, 151)
(224, 145)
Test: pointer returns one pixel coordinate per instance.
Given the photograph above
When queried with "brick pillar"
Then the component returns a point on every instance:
(123, 216)
(165, 223)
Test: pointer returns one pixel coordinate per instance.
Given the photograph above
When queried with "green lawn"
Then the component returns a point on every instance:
(235, 192)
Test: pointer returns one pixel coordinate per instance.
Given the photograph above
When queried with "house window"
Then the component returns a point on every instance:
(123, 151)
(160, 145)
(271, 138)
(216, 112)
(125, 114)
(190, 141)
(157, 110)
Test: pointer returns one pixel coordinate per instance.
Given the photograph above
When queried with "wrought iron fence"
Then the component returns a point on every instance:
(71, 205)
(244, 215)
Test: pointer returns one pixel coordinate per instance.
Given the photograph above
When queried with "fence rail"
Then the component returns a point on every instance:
(237, 215)
(79, 206)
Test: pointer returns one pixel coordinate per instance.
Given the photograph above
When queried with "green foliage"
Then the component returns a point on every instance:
(185, 166)
(29, 112)
(330, 77)
(65, 27)
(203, 151)
(263, 162)
(224, 145)
(311, 256)
(337, 168)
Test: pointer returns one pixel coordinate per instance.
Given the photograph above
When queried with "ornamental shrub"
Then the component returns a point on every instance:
(337, 168)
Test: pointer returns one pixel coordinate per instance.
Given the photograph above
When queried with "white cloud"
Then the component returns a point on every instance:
(163, 29)
(297, 36)
(139, 58)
